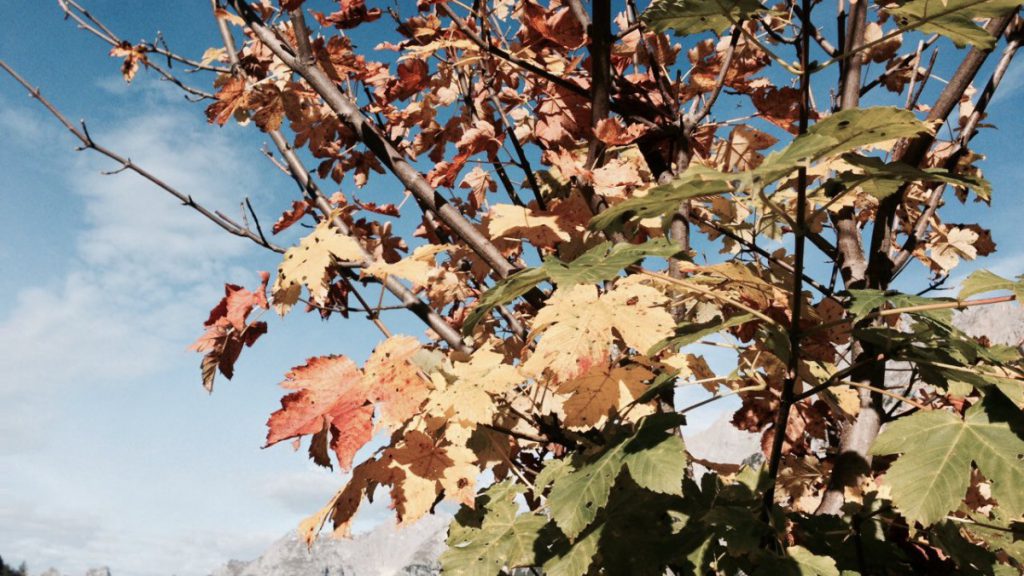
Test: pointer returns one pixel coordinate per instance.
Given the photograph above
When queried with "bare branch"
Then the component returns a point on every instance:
(91, 24)
(126, 164)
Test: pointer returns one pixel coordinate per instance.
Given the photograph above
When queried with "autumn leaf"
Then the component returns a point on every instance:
(309, 263)
(602, 391)
(578, 327)
(469, 396)
(393, 379)
(228, 330)
(611, 132)
(946, 250)
(328, 389)
(520, 222)
(425, 463)
(232, 99)
(351, 13)
(418, 268)
(134, 56)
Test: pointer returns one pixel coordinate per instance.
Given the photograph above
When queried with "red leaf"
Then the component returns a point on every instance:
(329, 388)
(299, 209)
(227, 331)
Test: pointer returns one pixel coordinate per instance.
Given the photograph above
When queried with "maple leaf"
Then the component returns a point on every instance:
(309, 264)
(493, 536)
(611, 132)
(342, 508)
(780, 106)
(393, 379)
(469, 397)
(351, 13)
(299, 209)
(133, 57)
(329, 389)
(602, 391)
(479, 183)
(418, 268)
(617, 177)
(520, 222)
(579, 326)
(425, 463)
(741, 150)
(228, 330)
(232, 99)
(931, 477)
(947, 249)
(654, 457)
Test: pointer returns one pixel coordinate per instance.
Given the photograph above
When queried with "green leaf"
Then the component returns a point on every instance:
(605, 261)
(503, 292)
(484, 541)
(693, 16)
(689, 333)
(656, 460)
(931, 477)
(842, 132)
(576, 498)
(952, 18)
(602, 262)
(864, 302)
(839, 133)
(881, 179)
(807, 564)
(576, 559)
(982, 281)
(695, 182)
(656, 456)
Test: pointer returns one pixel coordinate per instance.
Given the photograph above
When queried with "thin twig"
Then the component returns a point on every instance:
(88, 143)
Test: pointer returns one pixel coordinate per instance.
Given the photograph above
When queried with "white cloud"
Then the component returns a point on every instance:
(143, 275)
(145, 267)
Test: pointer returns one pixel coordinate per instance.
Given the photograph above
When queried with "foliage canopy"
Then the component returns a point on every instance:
(589, 223)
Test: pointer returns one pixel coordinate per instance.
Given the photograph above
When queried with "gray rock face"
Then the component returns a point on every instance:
(103, 571)
(1000, 323)
(386, 551)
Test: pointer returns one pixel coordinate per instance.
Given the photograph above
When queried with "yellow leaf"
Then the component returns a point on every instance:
(579, 326)
(308, 265)
(601, 391)
(519, 222)
(212, 55)
(958, 243)
(417, 268)
(469, 398)
(424, 463)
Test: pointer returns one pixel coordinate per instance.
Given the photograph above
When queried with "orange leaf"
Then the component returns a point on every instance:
(331, 388)
(393, 380)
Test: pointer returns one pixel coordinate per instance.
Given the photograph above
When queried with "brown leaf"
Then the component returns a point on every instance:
(299, 209)
(780, 106)
(611, 132)
(231, 98)
(133, 57)
(352, 13)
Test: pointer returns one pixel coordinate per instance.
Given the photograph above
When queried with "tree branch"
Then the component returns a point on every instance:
(83, 136)
(384, 150)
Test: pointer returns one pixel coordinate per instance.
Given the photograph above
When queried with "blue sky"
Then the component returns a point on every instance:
(110, 450)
